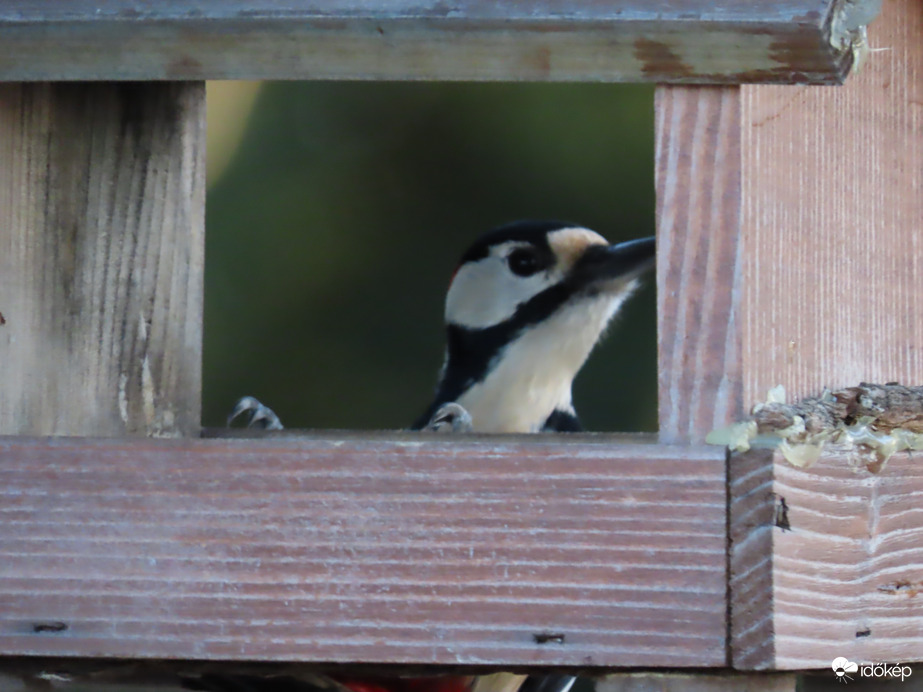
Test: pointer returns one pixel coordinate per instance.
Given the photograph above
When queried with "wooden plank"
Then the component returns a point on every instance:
(101, 258)
(830, 231)
(841, 556)
(833, 270)
(617, 40)
(404, 548)
(699, 260)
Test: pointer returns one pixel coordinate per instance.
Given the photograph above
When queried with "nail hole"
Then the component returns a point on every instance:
(38, 627)
(548, 638)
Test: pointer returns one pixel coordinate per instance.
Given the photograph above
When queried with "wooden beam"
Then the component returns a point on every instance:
(101, 258)
(698, 260)
(693, 41)
(826, 561)
(406, 548)
(830, 235)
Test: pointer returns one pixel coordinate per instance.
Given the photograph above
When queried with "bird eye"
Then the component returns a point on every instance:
(523, 262)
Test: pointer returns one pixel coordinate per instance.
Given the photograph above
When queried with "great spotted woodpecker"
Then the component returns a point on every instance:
(525, 307)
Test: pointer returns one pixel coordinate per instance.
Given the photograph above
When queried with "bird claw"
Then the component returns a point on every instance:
(260, 416)
(451, 418)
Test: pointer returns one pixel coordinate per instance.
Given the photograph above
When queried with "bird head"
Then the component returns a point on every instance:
(525, 306)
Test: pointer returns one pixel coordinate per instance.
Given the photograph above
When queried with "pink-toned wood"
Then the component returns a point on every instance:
(102, 225)
(831, 221)
(411, 549)
(842, 555)
(830, 232)
(698, 260)
(752, 525)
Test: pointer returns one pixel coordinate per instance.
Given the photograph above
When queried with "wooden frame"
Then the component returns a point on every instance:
(778, 263)
(619, 40)
(755, 188)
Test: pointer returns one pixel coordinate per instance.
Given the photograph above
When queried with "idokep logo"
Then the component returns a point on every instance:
(843, 667)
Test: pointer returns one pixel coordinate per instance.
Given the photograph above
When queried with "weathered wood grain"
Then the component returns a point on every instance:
(752, 524)
(101, 258)
(842, 561)
(618, 40)
(398, 549)
(830, 232)
(698, 260)
(831, 219)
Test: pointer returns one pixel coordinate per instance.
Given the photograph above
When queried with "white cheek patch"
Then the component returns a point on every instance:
(486, 292)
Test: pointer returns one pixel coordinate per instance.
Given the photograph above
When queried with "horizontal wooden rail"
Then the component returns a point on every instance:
(407, 549)
(690, 41)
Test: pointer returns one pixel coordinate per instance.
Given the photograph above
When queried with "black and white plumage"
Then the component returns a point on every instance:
(526, 305)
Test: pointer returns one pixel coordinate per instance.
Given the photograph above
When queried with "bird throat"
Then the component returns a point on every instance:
(513, 382)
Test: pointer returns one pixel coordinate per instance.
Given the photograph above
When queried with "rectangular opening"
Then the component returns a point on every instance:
(341, 210)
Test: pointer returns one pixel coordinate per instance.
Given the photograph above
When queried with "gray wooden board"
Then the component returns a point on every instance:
(102, 244)
(683, 42)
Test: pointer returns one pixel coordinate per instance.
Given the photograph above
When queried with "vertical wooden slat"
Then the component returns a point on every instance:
(831, 220)
(699, 262)
(101, 258)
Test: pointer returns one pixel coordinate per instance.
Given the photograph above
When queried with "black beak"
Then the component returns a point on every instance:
(625, 261)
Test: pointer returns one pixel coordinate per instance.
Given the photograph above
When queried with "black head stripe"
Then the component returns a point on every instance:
(470, 351)
(535, 232)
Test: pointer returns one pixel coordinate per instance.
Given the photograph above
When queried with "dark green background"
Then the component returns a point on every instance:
(333, 233)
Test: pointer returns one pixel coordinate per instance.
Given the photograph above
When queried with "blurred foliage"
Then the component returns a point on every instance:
(334, 230)
(229, 106)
